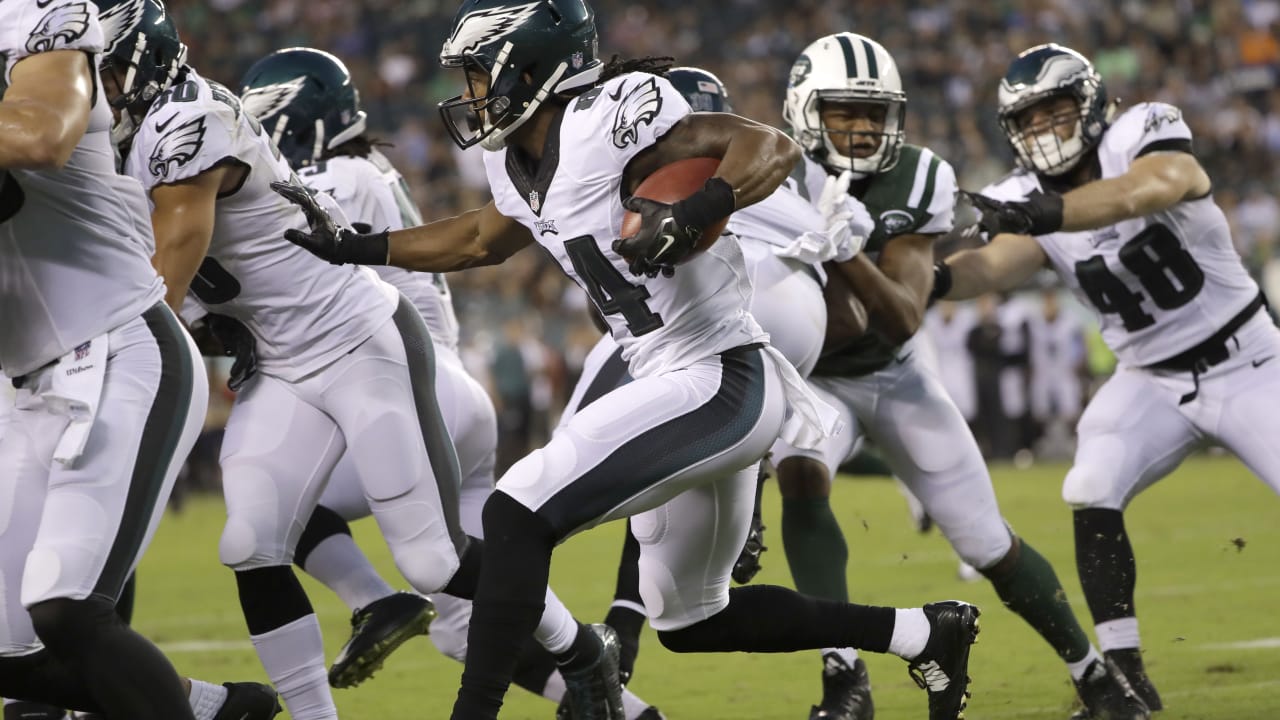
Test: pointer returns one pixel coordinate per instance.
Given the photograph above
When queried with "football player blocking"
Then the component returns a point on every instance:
(107, 404)
(699, 359)
(1118, 206)
(292, 93)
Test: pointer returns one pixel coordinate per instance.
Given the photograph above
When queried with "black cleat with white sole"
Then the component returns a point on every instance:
(943, 668)
(376, 631)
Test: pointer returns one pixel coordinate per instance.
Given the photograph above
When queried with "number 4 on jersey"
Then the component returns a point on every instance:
(608, 289)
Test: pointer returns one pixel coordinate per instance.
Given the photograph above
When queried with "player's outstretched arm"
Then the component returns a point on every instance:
(1002, 264)
(182, 218)
(477, 237)
(1154, 182)
(45, 110)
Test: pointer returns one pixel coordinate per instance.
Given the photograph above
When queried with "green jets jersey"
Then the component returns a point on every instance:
(917, 196)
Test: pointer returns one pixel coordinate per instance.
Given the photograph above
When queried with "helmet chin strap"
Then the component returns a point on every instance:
(497, 140)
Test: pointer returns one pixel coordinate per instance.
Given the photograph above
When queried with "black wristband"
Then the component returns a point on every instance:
(702, 209)
(941, 281)
(364, 248)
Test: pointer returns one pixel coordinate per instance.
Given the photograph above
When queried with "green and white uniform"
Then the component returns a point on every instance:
(892, 394)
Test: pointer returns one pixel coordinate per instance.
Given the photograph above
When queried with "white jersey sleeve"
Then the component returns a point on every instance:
(1161, 283)
(373, 194)
(28, 27)
(640, 109)
(777, 220)
(941, 209)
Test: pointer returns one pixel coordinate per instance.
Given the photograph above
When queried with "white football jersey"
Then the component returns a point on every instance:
(302, 311)
(573, 207)
(1162, 283)
(371, 192)
(74, 242)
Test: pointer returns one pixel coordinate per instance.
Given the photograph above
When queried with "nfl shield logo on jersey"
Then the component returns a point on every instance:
(576, 60)
(82, 351)
(535, 200)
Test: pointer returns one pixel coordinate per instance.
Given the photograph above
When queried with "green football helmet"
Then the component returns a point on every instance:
(144, 53)
(306, 102)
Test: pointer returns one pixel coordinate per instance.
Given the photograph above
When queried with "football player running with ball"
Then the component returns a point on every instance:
(1122, 210)
(567, 139)
(846, 106)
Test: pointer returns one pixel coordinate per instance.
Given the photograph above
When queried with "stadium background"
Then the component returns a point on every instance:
(1208, 539)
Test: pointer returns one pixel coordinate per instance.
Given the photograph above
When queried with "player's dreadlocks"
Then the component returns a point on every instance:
(359, 147)
(654, 65)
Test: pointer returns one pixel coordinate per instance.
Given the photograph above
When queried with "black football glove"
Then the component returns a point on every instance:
(237, 342)
(326, 240)
(660, 243)
(1039, 214)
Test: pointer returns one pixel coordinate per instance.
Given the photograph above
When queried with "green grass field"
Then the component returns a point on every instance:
(1208, 546)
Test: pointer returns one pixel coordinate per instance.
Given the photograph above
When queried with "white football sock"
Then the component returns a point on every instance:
(293, 656)
(554, 689)
(1118, 634)
(848, 655)
(206, 699)
(343, 568)
(910, 633)
(557, 628)
(632, 705)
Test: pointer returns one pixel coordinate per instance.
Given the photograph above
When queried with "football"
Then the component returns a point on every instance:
(673, 183)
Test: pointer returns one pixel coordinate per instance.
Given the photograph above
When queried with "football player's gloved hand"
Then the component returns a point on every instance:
(1039, 214)
(661, 241)
(327, 240)
(847, 226)
(237, 342)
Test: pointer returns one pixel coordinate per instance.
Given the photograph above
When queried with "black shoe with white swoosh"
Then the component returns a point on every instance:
(943, 668)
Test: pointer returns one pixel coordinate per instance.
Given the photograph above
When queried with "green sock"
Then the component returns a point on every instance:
(815, 548)
(866, 463)
(1031, 589)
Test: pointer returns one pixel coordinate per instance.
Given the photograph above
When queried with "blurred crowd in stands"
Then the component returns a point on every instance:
(525, 329)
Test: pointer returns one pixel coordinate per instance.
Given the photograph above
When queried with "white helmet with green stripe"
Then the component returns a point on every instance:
(845, 67)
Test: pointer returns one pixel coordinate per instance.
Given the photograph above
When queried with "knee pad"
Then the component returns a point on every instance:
(427, 566)
(238, 546)
(1090, 486)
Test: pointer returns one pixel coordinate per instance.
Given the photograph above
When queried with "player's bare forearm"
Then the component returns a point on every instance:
(756, 161)
(182, 218)
(1153, 183)
(1003, 264)
(178, 256)
(45, 110)
(895, 290)
(473, 239)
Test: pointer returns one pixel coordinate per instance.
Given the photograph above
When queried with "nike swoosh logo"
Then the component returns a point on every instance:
(904, 358)
(165, 125)
(614, 96)
(44, 4)
(1263, 361)
(670, 241)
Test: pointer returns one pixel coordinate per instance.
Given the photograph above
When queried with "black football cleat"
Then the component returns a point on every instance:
(846, 691)
(376, 631)
(1129, 660)
(1107, 695)
(651, 713)
(248, 701)
(595, 693)
(943, 668)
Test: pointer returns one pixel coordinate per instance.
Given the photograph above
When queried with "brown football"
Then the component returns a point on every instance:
(673, 183)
